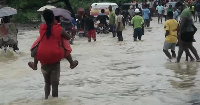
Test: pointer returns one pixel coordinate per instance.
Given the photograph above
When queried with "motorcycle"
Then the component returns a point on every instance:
(72, 33)
(80, 29)
(102, 28)
(128, 21)
(8, 37)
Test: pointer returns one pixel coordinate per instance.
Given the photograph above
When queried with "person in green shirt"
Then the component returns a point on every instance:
(170, 9)
(186, 35)
(137, 22)
(112, 20)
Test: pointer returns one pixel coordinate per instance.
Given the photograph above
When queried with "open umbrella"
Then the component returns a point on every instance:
(7, 11)
(61, 12)
(45, 7)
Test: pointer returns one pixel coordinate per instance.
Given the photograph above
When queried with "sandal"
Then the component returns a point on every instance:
(31, 65)
(75, 63)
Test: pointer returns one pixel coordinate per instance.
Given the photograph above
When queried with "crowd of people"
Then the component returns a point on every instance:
(53, 43)
(182, 32)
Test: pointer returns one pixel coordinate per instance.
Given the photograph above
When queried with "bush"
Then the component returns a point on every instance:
(26, 16)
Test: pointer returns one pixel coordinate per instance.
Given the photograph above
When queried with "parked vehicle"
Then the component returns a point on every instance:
(171, 3)
(102, 28)
(126, 6)
(95, 8)
(72, 33)
(80, 29)
(128, 21)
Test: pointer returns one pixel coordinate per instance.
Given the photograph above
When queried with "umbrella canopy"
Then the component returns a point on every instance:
(45, 7)
(7, 11)
(61, 12)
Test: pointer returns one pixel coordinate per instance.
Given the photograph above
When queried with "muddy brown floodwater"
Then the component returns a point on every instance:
(133, 73)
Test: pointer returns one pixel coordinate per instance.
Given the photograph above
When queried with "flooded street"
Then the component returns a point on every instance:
(133, 73)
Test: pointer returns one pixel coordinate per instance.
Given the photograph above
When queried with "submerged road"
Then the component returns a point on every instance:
(133, 73)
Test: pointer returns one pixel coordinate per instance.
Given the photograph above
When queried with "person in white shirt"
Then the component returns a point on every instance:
(165, 12)
(160, 9)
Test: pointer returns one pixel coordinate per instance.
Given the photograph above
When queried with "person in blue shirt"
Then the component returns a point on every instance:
(146, 15)
(73, 21)
(160, 9)
(175, 14)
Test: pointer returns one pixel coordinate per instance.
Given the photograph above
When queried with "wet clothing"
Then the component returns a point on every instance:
(137, 21)
(89, 23)
(119, 35)
(146, 22)
(137, 33)
(92, 34)
(51, 74)
(119, 20)
(160, 16)
(102, 17)
(112, 28)
(50, 50)
(171, 25)
(168, 46)
(112, 18)
(185, 36)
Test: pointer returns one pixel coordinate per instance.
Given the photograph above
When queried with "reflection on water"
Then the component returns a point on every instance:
(185, 72)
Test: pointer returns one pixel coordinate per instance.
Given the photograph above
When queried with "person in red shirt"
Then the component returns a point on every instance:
(52, 48)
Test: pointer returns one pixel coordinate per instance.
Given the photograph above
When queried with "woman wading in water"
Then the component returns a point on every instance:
(52, 48)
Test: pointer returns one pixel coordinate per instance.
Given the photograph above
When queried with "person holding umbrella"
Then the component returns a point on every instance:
(8, 31)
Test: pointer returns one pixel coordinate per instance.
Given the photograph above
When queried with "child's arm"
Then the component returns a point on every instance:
(65, 35)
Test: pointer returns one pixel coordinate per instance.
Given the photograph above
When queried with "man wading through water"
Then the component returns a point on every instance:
(119, 25)
(160, 9)
(171, 26)
(186, 34)
(112, 20)
(137, 22)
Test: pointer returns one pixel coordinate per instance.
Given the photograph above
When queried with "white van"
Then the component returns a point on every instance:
(95, 8)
